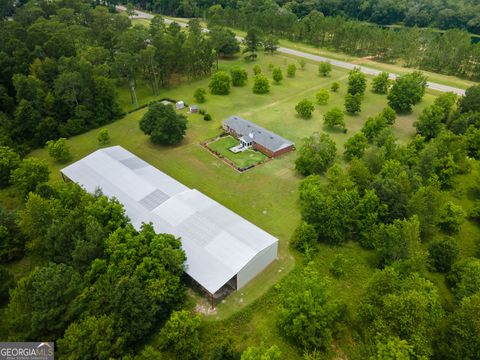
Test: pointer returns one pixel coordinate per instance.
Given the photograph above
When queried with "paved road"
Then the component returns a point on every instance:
(342, 64)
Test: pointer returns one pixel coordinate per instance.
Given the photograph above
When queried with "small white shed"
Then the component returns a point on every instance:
(180, 105)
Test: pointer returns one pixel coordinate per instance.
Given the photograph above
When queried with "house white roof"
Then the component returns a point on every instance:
(218, 242)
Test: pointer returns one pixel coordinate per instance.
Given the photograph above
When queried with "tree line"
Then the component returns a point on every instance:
(62, 62)
(451, 52)
(461, 14)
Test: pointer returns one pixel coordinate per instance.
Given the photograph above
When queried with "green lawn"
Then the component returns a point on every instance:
(242, 159)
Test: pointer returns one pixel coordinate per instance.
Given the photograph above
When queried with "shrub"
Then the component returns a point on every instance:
(333, 118)
(355, 146)
(305, 238)
(207, 117)
(239, 76)
(199, 95)
(451, 218)
(103, 137)
(443, 254)
(291, 70)
(322, 97)
(353, 103)
(335, 86)
(58, 150)
(380, 83)
(324, 68)
(302, 63)
(337, 269)
(305, 109)
(220, 83)
(261, 85)
(277, 75)
(257, 69)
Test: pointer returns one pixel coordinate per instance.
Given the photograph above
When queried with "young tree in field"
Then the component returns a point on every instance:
(58, 150)
(9, 161)
(357, 82)
(181, 334)
(305, 109)
(355, 146)
(389, 115)
(270, 44)
(324, 68)
(353, 103)
(463, 329)
(261, 85)
(239, 76)
(291, 70)
(163, 124)
(277, 75)
(373, 127)
(316, 154)
(199, 95)
(308, 312)
(407, 90)
(451, 218)
(29, 174)
(322, 97)
(335, 86)
(257, 69)
(429, 125)
(103, 137)
(333, 118)
(305, 238)
(337, 268)
(252, 42)
(220, 83)
(262, 353)
(302, 63)
(443, 254)
(380, 83)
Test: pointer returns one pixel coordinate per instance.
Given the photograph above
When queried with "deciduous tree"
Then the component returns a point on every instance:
(163, 124)
(305, 108)
(316, 154)
(220, 83)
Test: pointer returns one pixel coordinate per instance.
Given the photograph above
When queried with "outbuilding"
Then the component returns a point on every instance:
(224, 251)
(180, 105)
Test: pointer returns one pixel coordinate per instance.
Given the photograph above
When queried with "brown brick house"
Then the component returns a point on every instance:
(250, 134)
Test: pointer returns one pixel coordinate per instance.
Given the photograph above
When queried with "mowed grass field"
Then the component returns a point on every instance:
(266, 195)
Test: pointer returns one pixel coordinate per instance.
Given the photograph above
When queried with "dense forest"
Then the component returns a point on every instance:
(60, 63)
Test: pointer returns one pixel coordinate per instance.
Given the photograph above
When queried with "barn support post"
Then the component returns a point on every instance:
(212, 299)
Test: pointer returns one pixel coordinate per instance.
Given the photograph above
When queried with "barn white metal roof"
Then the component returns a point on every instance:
(218, 242)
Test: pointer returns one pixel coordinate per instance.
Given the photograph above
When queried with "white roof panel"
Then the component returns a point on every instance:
(218, 243)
